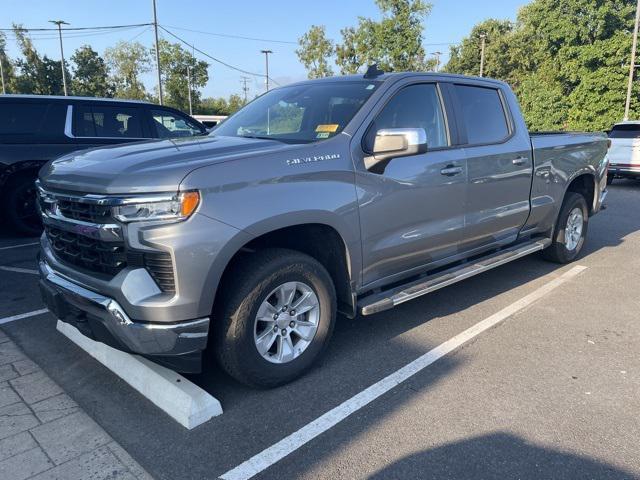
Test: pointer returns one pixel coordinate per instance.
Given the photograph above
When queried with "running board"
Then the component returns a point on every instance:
(385, 300)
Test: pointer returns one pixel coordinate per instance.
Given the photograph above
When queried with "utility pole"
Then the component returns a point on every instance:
(632, 67)
(437, 55)
(483, 36)
(189, 89)
(245, 88)
(2, 74)
(155, 27)
(266, 59)
(59, 23)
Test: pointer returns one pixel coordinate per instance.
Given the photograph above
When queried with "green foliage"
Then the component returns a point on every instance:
(127, 62)
(90, 74)
(220, 106)
(315, 51)
(567, 61)
(39, 75)
(175, 60)
(8, 68)
(394, 42)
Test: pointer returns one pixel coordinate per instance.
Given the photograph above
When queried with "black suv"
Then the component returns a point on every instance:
(35, 129)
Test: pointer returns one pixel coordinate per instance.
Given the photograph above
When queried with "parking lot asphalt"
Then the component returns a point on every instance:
(551, 392)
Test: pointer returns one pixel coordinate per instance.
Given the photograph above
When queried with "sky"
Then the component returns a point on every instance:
(274, 25)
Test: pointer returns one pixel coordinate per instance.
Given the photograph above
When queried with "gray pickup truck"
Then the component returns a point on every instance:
(351, 195)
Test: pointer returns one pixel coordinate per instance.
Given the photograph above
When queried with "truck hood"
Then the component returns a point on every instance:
(144, 167)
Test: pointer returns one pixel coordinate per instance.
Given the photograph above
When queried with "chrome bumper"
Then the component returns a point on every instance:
(100, 315)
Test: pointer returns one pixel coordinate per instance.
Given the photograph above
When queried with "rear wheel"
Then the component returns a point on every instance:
(274, 318)
(571, 230)
(610, 178)
(20, 201)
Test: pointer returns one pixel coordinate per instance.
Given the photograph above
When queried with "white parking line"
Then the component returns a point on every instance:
(20, 270)
(19, 246)
(22, 315)
(297, 439)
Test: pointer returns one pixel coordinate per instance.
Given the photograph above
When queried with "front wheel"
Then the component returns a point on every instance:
(20, 202)
(571, 230)
(275, 316)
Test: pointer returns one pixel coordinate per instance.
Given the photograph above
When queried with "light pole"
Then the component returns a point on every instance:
(155, 27)
(266, 59)
(632, 67)
(437, 55)
(189, 91)
(59, 23)
(483, 36)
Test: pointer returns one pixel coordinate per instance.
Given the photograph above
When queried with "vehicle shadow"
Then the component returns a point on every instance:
(498, 456)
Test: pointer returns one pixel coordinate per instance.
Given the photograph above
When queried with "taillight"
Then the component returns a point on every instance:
(608, 144)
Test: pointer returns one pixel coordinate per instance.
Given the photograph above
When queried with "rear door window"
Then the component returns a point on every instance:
(483, 114)
(106, 121)
(625, 131)
(22, 118)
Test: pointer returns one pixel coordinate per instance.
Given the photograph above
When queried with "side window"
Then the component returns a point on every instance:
(483, 114)
(105, 121)
(22, 118)
(415, 106)
(171, 125)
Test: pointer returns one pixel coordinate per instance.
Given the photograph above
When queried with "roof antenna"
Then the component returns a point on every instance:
(373, 71)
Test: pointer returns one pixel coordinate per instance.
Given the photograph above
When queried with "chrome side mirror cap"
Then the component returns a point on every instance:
(393, 143)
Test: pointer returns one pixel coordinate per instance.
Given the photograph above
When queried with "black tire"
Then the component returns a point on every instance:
(20, 198)
(248, 285)
(610, 178)
(558, 251)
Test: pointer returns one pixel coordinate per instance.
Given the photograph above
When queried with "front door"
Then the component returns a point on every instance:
(412, 213)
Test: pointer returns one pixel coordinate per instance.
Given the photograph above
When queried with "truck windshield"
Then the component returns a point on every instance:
(299, 114)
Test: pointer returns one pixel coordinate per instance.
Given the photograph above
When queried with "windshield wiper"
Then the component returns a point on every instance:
(261, 137)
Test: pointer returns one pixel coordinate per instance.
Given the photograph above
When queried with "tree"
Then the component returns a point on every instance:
(566, 59)
(394, 42)
(38, 75)
(90, 74)
(175, 60)
(221, 106)
(7, 66)
(127, 62)
(315, 51)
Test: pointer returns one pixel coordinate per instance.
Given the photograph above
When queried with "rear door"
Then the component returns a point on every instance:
(412, 213)
(499, 163)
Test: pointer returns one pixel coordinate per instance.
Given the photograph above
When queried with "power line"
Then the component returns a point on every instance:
(74, 28)
(217, 60)
(240, 37)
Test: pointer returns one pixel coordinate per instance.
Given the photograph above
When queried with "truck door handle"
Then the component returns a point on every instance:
(451, 170)
(519, 161)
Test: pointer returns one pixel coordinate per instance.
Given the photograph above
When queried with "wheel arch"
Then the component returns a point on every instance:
(585, 183)
(319, 240)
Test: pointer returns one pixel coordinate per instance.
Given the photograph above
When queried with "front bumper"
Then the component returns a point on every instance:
(177, 345)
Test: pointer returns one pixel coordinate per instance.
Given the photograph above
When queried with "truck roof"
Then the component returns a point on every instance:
(395, 75)
(70, 97)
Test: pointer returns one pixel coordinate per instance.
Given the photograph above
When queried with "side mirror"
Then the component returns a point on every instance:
(393, 143)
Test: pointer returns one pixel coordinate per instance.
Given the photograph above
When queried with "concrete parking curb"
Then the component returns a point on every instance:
(182, 400)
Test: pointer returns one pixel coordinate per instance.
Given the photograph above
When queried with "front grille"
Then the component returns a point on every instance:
(89, 254)
(86, 212)
(160, 267)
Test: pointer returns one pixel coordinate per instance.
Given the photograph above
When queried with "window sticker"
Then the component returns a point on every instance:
(323, 135)
(328, 128)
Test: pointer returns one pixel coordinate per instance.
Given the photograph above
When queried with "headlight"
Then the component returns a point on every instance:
(178, 207)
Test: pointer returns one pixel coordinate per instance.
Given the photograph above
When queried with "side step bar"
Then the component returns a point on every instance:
(385, 300)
